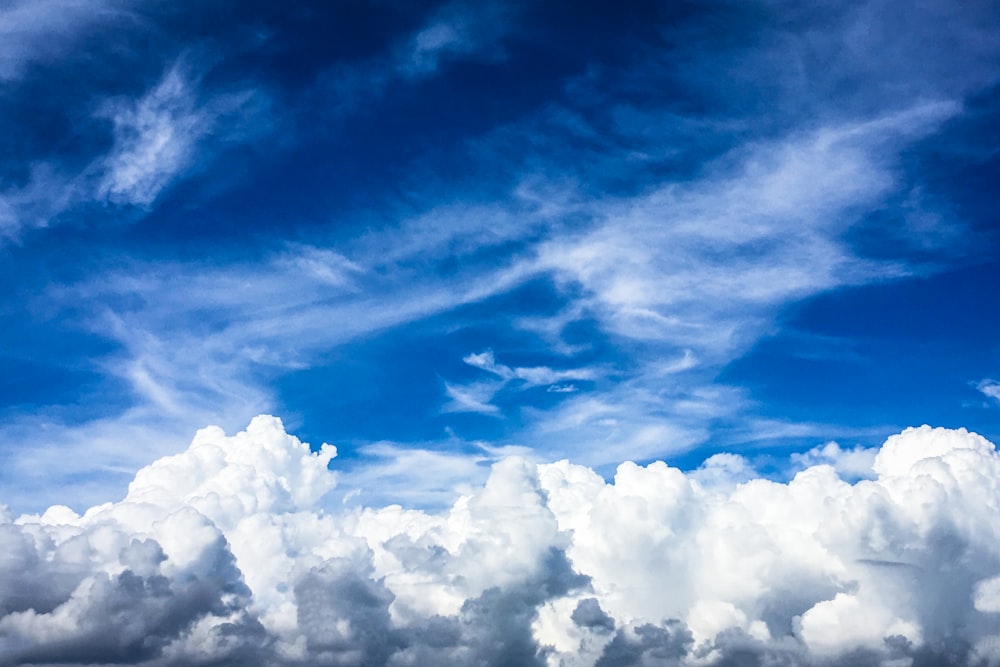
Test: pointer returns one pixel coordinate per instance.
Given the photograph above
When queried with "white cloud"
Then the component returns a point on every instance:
(198, 343)
(856, 462)
(46, 194)
(636, 418)
(987, 595)
(701, 265)
(688, 273)
(693, 272)
(528, 377)
(472, 398)
(989, 388)
(415, 476)
(164, 135)
(224, 553)
(156, 137)
(723, 470)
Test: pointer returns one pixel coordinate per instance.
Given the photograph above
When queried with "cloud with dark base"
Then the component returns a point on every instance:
(238, 550)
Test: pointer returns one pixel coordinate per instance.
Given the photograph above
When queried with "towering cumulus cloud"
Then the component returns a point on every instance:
(224, 554)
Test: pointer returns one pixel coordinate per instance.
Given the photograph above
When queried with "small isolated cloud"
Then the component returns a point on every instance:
(532, 376)
(561, 388)
(434, 41)
(230, 553)
(990, 388)
(455, 31)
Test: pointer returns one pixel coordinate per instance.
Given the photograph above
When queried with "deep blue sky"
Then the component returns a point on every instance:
(557, 228)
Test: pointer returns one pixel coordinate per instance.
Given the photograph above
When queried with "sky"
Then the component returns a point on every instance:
(544, 332)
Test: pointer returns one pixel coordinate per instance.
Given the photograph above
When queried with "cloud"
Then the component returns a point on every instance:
(762, 228)
(35, 204)
(31, 31)
(415, 476)
(195, 342)
(476, 396)
(244, 549)
(700, 264)
(454, 31)
(532, 376)
(678, 273)
(856, 462)
(158, 138)
(231, 551)
(154, 139)
(989, 388)
(471, 398)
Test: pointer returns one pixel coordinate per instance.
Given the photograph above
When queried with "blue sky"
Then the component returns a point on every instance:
(433, 234)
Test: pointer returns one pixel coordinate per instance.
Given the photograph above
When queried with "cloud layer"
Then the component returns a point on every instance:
(238, 551)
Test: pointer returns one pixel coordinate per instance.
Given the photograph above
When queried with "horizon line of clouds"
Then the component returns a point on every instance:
(237, 551)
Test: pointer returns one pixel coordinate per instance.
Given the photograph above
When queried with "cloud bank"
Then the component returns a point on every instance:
(239, 551)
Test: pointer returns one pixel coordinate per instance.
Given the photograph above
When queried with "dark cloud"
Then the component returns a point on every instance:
(344, 614)
(647, 645)
(588, 614)
(128, 617)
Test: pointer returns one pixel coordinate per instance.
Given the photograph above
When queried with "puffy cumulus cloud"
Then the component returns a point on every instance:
(237, 551)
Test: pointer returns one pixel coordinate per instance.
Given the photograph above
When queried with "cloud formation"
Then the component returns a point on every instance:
(238, 551)
(989, 388)
(619, 202)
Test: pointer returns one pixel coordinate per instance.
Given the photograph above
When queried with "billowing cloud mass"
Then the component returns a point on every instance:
(239, 551)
